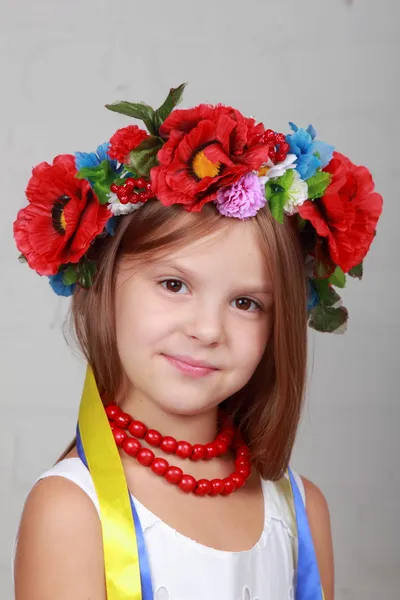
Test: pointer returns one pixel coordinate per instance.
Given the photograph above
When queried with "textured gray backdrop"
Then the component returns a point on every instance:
(332, 63)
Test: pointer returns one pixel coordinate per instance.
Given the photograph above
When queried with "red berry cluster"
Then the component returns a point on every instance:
(127, 193)
(279, 147)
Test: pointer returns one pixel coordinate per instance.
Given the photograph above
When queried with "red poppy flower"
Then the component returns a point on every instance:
(124, 140)
(347, 214)
(207, 147)
(62, 218)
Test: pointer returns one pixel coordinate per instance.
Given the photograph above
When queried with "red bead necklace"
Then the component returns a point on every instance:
(121, 422)
(227, 438)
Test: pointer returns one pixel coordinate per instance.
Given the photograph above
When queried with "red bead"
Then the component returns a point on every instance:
(184, 449)
(242, 460)
(114, 188)
(148, 186)
(280, 156)
(153, 437)
(187, 483)
(131, 446)
(169, 444)
(199, 452)
(238, 479)
(229, 486)
(145, 457)
(141, 183)
(119, 435)
(269, 135)
(272, 155)
(217, 487)
(130, 185)
(280, 138)
(123, 198)
(135, 198)
(244, 470)
(227, 435)
(211, 451)
(203, 487)
(137, 429)
(112, 411)
(122, 420)
(159, 466)
(144, 196)
(173, 475)
(284, 147)
(243, 450)
(221, 447)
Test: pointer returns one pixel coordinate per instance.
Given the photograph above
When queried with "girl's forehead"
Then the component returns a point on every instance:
(231, 251)
(236, 238)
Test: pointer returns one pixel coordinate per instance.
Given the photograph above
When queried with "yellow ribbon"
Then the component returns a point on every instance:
(121, 558)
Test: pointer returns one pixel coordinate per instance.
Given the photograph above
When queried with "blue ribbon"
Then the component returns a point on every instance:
(308, 579)
(145, 573)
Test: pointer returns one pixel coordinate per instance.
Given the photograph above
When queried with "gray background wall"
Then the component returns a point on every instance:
(332, 63)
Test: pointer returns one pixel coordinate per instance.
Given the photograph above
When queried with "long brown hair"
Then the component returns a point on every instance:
(268, 408)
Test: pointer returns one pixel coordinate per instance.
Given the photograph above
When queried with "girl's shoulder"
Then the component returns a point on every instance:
(58, 517)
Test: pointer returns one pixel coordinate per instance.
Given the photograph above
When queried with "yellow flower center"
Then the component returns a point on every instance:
(63, 222)
(263, 171)
(58, 216)
(203, 167)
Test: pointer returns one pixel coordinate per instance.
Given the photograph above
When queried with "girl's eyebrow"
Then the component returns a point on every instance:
(172, 265)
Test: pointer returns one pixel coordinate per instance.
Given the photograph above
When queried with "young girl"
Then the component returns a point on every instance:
(196, 252)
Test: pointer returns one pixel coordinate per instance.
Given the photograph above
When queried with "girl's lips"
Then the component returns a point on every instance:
(190, 366)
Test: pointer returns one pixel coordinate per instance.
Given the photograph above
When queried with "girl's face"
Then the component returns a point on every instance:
(193, 326)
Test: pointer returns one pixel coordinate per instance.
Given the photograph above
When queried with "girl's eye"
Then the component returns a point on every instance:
(246, 304)
(174, 285)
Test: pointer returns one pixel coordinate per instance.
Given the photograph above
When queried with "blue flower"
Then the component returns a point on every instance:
(311, 154)
(111, 225)
(312, 298)
(93, 159)
(59, 287)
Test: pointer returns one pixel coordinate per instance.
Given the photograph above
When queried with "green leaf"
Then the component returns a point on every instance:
(317, 184)
(326, 293)
(70, 275)
(102, 191)
(357, 271)
(86, 271)
(144, 157)
(101, 178)
(173, 99)
(286, 180)
(322, 270)
(338, 278)
(93, 174)
(301, 223)
(140, 111)
(328, 319)
(277, 204)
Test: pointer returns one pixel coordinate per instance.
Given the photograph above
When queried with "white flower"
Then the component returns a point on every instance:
(118, 209)
(270, 171)
(298, 194)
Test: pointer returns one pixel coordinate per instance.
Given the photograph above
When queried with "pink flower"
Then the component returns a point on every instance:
(241, 200)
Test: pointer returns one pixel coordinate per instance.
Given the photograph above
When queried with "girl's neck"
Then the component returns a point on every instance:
(198, 428)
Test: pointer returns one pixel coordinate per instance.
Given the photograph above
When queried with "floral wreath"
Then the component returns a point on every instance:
(191, 157)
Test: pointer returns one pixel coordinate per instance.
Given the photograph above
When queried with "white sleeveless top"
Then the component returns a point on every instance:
(183, 569)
